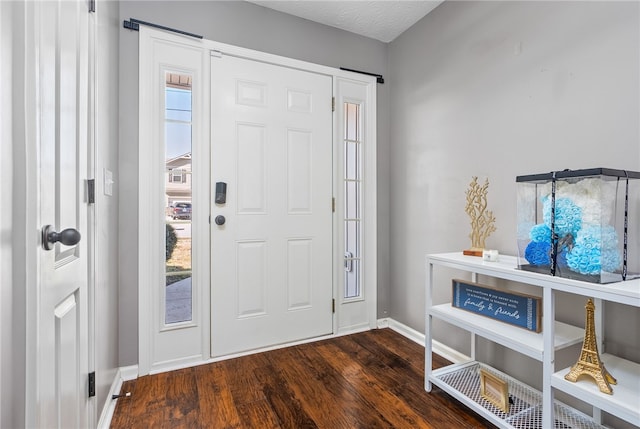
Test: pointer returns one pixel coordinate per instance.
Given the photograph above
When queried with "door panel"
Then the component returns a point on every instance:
(272, 258)
(251, 284)
(67, 318)
(299, 270)
(299, 169)
(252, 182)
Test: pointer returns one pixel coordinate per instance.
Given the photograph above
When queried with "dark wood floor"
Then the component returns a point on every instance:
(368, 380)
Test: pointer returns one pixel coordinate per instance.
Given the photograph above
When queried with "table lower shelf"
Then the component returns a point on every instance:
(462, 381)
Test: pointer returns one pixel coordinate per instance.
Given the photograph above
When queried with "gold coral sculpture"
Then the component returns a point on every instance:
(482, 220)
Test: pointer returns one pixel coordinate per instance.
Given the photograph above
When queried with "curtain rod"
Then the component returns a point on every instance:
(378, 77)
(134, 24)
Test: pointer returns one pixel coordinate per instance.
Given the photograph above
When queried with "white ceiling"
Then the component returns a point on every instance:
(383, 20)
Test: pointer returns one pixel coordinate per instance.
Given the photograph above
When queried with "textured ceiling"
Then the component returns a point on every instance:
(382, 20)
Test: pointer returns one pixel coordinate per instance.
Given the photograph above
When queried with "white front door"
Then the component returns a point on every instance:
(61, 132)
(271, 144)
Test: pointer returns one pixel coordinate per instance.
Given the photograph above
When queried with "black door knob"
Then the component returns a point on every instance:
(68, 237)
(220, 220)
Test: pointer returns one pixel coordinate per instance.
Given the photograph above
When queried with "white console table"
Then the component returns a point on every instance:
(532, 409)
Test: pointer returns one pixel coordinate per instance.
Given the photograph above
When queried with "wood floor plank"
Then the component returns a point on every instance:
(122, 410)
(283, 400)
(439, 409)
(372, 379)
(402, 382)
(215, 400)
(404, 347)
(366, 380)
(258, 414)
(152, 408)
(245, 387)
(403, 367)
(374, 364)
(320, 390)
(180, 408)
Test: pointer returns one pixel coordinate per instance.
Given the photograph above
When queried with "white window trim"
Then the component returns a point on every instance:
(154, 335)
(359, 313)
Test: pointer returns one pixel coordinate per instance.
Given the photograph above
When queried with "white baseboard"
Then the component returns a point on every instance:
(129, 373)
(123, 374)
(383, 323)
(418, 337)
(110, 404)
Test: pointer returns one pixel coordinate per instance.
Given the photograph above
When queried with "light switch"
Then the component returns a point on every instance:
(108, 182)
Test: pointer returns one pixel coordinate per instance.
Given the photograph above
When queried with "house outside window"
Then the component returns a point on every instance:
(177, 176)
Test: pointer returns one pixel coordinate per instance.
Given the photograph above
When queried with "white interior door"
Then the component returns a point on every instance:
(271, 143)
(61, 110)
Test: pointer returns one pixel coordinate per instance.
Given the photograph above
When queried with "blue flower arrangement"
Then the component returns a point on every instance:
(595, 250)
(584, 248)
(568, 216)
(539, 253)
(567, 222)
(540, 232)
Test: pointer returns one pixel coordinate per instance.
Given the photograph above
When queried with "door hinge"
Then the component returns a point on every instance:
(333, 104)
(91, 191)
(92, 5)
(92, 384)
(333, 204)
(333, 305)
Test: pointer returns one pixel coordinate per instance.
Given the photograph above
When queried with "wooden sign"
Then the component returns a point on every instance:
(524, 311)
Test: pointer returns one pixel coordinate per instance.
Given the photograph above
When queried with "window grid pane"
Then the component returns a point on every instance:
(352, 160)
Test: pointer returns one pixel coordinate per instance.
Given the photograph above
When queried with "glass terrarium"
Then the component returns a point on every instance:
(595, 216)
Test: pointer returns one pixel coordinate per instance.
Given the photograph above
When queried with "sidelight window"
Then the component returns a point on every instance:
(178, 142)
(352, 145)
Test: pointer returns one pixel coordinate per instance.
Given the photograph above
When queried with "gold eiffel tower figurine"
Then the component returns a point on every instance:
(589, 362)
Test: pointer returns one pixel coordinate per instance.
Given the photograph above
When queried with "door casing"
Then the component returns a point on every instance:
(349, 316)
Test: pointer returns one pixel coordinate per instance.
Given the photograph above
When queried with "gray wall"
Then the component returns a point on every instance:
(6, 221)
(496, 90)
(106, 207)
(14, 252)
(254, 27)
